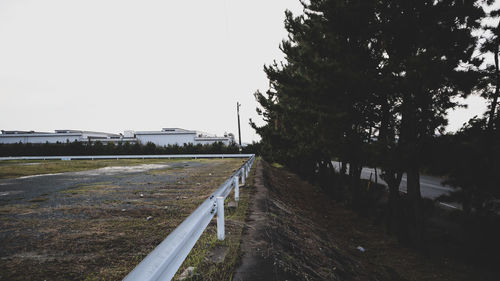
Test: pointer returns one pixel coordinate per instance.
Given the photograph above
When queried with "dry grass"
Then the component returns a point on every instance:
(101, 231)
(329, 233)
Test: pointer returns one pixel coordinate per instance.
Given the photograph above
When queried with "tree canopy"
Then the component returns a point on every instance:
(369, 83)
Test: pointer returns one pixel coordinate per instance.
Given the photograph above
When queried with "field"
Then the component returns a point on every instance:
(19, 168)
(95, 224)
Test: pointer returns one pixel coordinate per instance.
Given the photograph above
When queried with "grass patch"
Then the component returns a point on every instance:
(89, 188)
(39, 199)
(277, 165)
(16, 208)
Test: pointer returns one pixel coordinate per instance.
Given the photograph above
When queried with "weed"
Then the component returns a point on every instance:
(39, 199)
(277, 165)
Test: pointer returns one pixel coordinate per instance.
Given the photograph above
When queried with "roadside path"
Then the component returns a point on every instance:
(253, 264)
(257, 244)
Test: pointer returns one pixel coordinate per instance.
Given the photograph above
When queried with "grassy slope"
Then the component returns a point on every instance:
(304, 207)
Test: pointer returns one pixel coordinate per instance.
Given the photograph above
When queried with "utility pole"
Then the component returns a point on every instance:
(239, 130)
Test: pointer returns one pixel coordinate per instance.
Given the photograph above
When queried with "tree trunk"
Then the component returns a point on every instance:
(415, 201)
(491, 118)
(395, 222)
(467, 201)
(343, 168)
(410, 138)
(331, 169)
(354, 184)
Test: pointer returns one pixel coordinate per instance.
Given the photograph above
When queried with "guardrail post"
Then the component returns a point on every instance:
(242, 176)
(236, 189)
(220, 218)
(247, 169)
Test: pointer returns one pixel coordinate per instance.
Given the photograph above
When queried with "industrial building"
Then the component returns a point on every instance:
(167, 136)
(60, 136)
(173, 136)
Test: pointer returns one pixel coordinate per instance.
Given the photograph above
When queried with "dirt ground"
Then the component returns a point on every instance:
(296, 232)
(99, 229)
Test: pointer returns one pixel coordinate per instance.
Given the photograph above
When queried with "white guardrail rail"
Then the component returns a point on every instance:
(164, 261)
(96, 157)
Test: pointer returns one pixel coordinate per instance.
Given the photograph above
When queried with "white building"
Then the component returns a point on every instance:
(167, 136)
(61, 136)
(173, 136)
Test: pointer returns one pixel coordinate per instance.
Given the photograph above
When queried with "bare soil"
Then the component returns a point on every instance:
(100, 229)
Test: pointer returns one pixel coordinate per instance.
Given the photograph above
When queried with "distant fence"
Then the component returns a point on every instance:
(164, 261)
(96, 157)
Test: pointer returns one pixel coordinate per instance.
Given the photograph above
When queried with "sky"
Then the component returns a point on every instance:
(142, 65)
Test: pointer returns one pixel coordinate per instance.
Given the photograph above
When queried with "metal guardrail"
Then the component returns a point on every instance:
(94, 157)
(164, 261)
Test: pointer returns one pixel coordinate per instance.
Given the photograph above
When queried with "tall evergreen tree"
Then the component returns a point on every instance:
(426, 43)
(322, 96)
(489, 85)
(358, 67)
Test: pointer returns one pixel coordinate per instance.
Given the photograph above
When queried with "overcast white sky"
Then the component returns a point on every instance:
(141, 65)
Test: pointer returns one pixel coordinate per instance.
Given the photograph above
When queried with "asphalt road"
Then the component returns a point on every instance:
(430, 187)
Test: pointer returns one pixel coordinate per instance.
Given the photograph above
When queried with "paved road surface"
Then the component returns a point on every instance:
(430, 187)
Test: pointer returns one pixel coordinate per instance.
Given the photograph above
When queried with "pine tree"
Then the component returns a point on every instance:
(355, 69)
